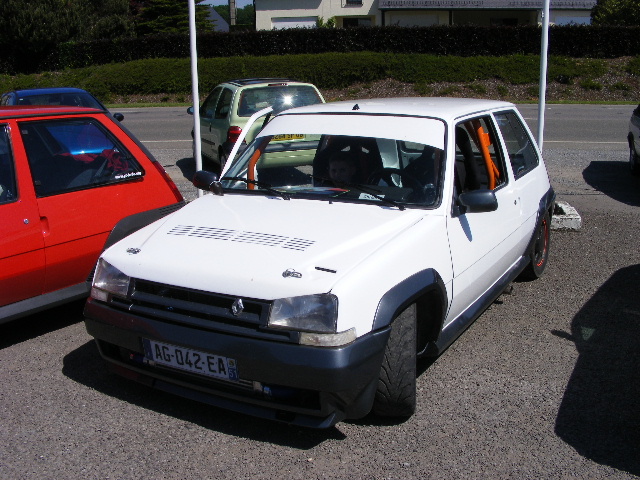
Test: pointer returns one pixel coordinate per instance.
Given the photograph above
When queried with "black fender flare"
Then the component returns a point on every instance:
(135, 222)
(399, 297)
(547, 204)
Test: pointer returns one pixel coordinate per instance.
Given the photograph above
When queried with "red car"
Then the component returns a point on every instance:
(72, 181)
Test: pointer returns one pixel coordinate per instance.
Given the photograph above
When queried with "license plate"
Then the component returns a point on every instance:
(288, 136)
(192, 361)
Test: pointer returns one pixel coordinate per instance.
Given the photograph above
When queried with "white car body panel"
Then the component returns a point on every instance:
(245, 237)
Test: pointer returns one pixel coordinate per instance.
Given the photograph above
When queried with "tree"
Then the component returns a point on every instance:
(244, 16)
(31, 34)
(169, 16)
(616, 12)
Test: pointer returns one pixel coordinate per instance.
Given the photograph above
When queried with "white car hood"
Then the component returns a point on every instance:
(259, 246)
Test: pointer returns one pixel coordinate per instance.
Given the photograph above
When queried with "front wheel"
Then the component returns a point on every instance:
(539, 250)
(396, 393)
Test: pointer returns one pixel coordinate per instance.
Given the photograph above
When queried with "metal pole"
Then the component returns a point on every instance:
(197, 151)
(543, 72)
(232, 12)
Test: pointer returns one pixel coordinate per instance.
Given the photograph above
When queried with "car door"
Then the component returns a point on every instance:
(207, 112)
(85, 180)
(22, 258)
(484, 245)
(220, 122)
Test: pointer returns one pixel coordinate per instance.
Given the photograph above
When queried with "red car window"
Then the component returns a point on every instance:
(8, 191)
(67, 155)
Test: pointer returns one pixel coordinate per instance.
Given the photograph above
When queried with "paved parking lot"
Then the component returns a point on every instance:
(546, 384)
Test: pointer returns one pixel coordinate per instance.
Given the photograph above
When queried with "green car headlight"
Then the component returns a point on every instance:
(107, 281)
(308, 313)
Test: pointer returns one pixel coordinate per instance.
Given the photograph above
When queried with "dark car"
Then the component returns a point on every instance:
(72, 181)
(73, 97)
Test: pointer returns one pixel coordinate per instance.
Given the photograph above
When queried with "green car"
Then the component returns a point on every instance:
(226, 110)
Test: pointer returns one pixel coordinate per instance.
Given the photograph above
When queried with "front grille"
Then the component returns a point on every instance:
(202, 310)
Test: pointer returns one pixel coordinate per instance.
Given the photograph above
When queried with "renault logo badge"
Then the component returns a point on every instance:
(237, 307)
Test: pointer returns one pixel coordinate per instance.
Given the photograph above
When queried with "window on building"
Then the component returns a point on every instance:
(349, 22)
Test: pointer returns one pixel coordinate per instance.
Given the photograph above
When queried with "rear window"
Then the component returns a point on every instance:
(253, 100)
(77, 99)
(74, 154)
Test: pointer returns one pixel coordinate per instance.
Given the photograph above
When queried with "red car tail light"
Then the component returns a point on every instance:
(170, 182)
(233, 133)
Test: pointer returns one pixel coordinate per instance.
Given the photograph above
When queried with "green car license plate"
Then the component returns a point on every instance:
(190, 360)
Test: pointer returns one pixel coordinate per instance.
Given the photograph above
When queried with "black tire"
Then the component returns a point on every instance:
(396, 393)
(539, 250)
(634, 161)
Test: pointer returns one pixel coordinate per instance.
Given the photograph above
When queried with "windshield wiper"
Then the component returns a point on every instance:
(364, 189)
(263, 185)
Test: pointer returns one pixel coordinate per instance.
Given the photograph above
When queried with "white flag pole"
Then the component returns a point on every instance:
(197, 152)
(543, 72)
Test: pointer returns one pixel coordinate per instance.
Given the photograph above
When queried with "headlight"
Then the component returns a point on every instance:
(107, 281)
(309, 313)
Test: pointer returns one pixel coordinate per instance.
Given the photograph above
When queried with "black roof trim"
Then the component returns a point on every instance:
(251, 81)
(32, 113)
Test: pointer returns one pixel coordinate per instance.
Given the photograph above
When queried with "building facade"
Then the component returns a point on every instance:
(274, 14)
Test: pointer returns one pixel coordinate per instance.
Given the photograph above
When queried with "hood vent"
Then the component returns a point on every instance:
(255, 238)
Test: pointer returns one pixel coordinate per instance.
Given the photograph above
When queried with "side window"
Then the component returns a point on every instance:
(8, 191)
(478, 161)
(66, 155)
(209, 105)
(522, 154)
(224, 105)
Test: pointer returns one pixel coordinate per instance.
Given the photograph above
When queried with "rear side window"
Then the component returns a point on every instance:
(75, 154)
(522, 154)
(8, 191)
(224, 105)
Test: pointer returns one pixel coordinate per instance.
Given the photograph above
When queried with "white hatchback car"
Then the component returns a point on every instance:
(346, 241)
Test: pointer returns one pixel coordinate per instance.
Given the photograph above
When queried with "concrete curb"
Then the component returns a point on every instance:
(565, 217)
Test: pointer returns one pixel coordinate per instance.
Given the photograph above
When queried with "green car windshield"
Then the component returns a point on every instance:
(253, 100)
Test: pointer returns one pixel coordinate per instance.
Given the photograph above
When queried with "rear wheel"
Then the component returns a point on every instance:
(396, 393)
(539, 251)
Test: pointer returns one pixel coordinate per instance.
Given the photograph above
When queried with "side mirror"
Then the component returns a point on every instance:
(118, 116)
(479, 201)
(208, 181)
(190, 110)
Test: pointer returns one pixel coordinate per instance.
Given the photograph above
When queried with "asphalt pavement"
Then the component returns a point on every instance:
(545, 384)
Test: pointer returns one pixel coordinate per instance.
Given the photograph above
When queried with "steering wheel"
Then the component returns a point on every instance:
(386, 174)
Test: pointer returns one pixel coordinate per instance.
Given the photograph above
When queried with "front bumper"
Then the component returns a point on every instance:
(308, 386)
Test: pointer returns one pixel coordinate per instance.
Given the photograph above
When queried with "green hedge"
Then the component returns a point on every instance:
(459, 40)
(327, 71)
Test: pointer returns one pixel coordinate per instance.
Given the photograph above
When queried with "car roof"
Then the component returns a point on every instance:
(45, 91)
(243, 82)
(21, 111)
(445, 108)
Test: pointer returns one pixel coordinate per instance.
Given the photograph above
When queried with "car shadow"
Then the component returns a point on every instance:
(187, 167)
(85, 366)
(600, 412)
(41, 323)
(615, 180)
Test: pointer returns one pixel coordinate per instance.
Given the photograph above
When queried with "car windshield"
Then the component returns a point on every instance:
(280, 96)
(308, 162)
(74, 99)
